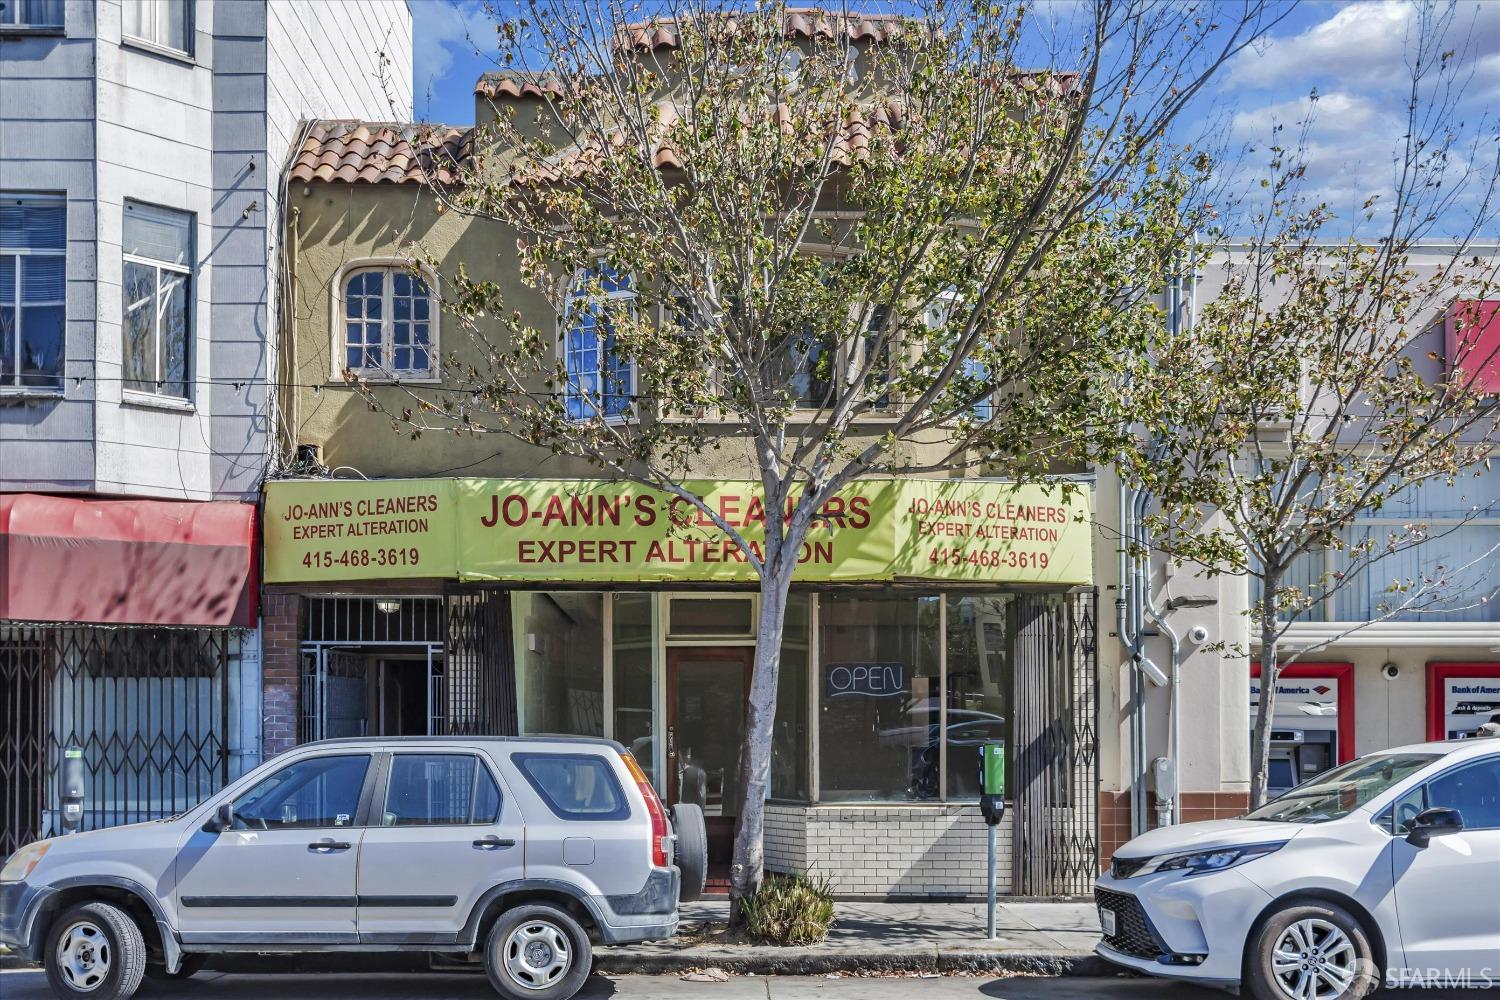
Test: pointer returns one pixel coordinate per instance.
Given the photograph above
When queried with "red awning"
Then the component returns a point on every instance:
(136, 562)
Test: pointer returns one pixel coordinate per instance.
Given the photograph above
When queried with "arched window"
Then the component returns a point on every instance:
(390, 323)
(600, 380)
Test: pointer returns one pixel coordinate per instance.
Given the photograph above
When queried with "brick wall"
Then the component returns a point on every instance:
(1114, 814)
(281, 637)
(884, 851)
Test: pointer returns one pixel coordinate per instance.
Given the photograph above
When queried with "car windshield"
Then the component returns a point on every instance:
(1339, 792)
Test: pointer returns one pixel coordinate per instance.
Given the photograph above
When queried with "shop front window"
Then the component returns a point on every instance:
(560, 661)
(879, 738)
(980, 680)
(791, 739)
(634, 646)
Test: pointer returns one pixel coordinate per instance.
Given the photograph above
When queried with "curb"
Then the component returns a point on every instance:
(800, 962)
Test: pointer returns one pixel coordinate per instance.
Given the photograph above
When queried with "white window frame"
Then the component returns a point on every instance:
(151, 11)
(14, 385)
(945, 301)
(10, 19)
(339, 324)
(189, 327)
(564, 329)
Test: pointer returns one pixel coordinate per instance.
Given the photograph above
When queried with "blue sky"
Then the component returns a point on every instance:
(1352, 53)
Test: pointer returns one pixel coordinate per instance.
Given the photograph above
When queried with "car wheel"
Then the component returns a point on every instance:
(1314, 951)
(537, 952)
(189, 966)
(692, 850)
(95, 950)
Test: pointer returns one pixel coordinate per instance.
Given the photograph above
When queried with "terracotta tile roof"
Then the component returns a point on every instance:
(516, 83)
(801, 22)
(381, 153)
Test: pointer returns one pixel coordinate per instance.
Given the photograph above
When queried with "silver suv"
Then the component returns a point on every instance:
(522, 851)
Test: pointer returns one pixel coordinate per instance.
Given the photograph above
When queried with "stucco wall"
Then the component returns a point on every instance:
(337, 227)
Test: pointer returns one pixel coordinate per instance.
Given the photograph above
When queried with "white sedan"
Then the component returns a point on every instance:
(1383, 870)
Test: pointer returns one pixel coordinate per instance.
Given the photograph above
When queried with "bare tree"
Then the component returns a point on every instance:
(852, 246)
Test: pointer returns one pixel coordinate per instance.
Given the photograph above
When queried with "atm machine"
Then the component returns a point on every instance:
(1298, 755)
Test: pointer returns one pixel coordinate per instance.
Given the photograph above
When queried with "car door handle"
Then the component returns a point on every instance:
(327, 846)
(492, 842)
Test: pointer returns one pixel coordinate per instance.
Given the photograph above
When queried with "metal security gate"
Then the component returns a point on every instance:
(149, 707)
(1055, 836)
(463, 637)
(481, 678)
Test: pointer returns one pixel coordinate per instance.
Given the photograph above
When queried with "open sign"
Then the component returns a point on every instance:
(868, 680)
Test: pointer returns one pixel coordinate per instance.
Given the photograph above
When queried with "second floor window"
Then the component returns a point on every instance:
(600, 379)
(389, 327)
(157, 280)
(164, 23)
(33, 241)
(31, 14)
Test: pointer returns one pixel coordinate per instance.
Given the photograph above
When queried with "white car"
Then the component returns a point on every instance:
(1386, 869)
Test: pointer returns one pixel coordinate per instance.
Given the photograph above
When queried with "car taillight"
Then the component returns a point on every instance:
(654, 808)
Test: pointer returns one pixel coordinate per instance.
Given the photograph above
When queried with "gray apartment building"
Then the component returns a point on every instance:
(141, 146)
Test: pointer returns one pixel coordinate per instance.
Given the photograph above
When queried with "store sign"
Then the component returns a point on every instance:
(1302, 702)
(550, 530)
(866, 680)
(1468, 703)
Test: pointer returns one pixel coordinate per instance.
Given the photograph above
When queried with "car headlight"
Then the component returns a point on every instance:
(23, 862)
(1203, 862)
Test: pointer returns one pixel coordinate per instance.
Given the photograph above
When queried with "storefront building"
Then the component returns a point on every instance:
(927, 618)
(124, 628)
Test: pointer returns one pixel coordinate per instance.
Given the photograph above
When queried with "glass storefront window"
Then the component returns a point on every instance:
(559, 661)
(634, 644)
(878, 725)
(980, 678)
(791, 740)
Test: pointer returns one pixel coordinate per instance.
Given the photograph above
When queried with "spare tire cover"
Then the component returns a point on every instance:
(692, 850)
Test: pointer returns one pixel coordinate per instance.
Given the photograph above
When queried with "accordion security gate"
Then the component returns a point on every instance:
(149, 707)
(1056, 823)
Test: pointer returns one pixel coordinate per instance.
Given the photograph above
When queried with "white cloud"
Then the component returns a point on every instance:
(1349, 148)
(442, 29)
(1366, 45)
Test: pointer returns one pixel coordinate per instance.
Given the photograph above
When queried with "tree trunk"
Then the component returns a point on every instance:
(748, 864)
(1270, 672)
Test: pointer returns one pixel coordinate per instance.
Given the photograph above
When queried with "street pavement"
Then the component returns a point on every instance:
(19, 984)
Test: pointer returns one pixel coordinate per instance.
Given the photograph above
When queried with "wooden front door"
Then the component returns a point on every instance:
(707, 691)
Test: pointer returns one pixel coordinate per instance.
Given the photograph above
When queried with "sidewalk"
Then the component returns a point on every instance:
(1046, 938)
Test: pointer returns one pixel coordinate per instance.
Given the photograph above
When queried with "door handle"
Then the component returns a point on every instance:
(327, 846)
(492, 842)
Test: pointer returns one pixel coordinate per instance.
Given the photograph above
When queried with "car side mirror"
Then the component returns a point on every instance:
(222, 819)
(1434, 822)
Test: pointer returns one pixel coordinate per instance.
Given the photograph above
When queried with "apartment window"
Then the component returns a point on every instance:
(33, 239)
(601, 379)
(163, 23)
(157, 281)
(1460, 525)
(389, 324)
(35, 14)
(878, 385)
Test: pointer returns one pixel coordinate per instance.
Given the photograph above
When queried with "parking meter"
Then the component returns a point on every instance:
(71, 787)
(992, 782)
(992, 807)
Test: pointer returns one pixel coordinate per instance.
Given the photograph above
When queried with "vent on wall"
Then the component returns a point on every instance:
(1472, 336)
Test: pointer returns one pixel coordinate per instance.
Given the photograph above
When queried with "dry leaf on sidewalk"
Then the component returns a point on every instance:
(713, 975)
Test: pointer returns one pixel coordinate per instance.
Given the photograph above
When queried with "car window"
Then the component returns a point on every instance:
(1473, 789)
(486, 798)
(312, 793)
(439, 789)
(574, 785)
(1335, 794)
